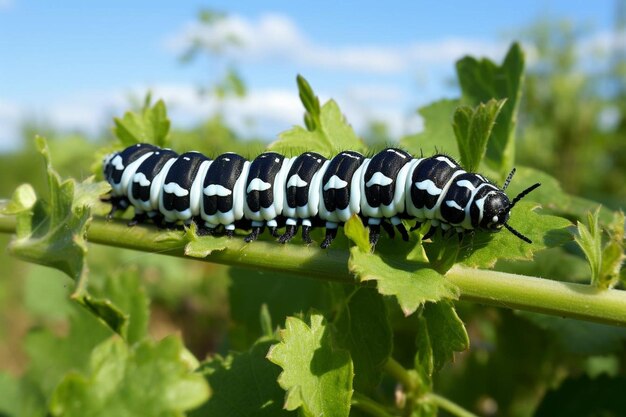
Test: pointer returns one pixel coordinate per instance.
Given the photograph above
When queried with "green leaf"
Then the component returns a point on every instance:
(24, 198)
(116, 384)
(483, 80)
(483, 249)
(283, 294)
(446, 332)
(602, 396)
(124, 292)
(438, 135)
(201, 247)
(424, 361)
(411, 283)
(358, 233)
(613, 253)
(332, 135)
(151, 125)
(51, 356)
(363, 328)
(472, 128)
(311, 103)
(590, 241)
(442, 251)
(243, 384)
(51, 233)
(316, 376)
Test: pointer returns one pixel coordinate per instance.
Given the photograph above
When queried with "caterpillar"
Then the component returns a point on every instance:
(308, 190)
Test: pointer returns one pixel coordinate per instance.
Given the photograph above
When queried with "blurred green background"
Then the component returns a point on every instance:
(572, 125)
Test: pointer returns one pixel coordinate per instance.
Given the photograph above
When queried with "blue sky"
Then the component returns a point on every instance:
(74, 64)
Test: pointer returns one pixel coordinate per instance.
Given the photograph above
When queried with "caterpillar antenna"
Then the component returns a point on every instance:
(518, 234)
(508, 179)
(523, 194)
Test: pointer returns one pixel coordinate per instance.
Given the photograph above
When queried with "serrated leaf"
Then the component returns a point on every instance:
(125, 292)
(358, 233)
(472, 128)
(316, 376)
(283, 294)
(51, 232)
(438, 134)
(590, 241)
(201, 247)
(412, 283)
(363, 328)
(483, 80)
(88, 192)
(310, 102)
(151, 125)
(613, 253)
(333, 135)
(442, 251)
(446, 332)
(116, 384)
(243, 384)
(483, 249)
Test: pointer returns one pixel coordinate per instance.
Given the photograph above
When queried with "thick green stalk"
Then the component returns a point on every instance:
(486, 287)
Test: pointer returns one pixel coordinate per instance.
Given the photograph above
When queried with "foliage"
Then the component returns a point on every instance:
(392, 341)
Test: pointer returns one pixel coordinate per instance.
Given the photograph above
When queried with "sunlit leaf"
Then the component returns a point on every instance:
(316, 375)
(243, 384)
(412, 284)
(151, 125)
(483, 80)
(116, 383)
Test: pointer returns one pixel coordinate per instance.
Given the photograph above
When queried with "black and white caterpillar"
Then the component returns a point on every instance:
(307, 190)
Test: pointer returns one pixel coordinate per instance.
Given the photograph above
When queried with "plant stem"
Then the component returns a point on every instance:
(368, 405)
(398, 372)
(487, 287)
(448, 405)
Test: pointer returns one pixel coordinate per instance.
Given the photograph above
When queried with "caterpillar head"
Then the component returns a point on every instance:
(497, 209)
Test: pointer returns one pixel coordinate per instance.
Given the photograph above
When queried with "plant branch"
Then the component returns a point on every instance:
(449, 406)
(368, 405)
(487, 287)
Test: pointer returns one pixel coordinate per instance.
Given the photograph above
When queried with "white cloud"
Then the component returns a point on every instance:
(274, 37)
(261, 113)
(6, 4)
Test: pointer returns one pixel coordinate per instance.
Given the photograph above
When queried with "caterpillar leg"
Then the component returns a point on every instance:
(206, 229)
(374, 225)
(401, 229)
(272, 225)
(331, 234)
(230, 230)
(290, 232)
(306, 231)
(138, 218)
(417, 225)
(257, 228)
(388, 229)
(430, 232)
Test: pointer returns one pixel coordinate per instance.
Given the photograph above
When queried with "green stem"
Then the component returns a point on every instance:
(398, 372)
(448, 405)
(487, 287)
(368, 405)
